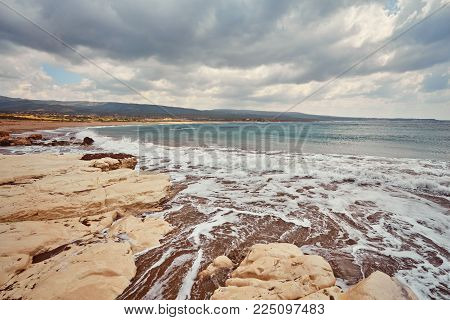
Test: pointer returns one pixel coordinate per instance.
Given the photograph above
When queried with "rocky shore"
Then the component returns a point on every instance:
(280, 271)
(69, 228)
(73, 226)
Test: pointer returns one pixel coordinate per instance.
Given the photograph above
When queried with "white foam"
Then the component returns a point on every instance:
(189, 279)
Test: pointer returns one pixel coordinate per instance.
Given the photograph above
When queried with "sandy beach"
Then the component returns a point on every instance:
(20, 126)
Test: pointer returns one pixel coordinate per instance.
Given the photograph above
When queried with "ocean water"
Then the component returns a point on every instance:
(366, 195)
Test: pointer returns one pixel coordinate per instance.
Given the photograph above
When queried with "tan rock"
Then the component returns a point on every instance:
(34, 237)
(275, 250)
(379, 286)
(142, 234)
(277, 271)
(69, 207)
(11, 265)
(93, 271)
(108, 164)
(220, 263)
(45, 186)
(331, 293)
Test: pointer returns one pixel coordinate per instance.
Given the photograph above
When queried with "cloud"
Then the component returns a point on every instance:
(241, 54)
(436, 82)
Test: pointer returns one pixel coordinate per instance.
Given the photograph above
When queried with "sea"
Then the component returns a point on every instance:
(366, 195)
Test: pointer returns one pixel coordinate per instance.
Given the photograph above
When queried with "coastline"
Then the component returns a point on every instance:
(182, 221)
(22, 126)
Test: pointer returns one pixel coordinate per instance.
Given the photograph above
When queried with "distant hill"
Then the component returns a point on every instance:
(132, 110)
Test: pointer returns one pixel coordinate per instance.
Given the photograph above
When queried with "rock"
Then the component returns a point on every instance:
(20, 141)
(89, 271)
(11, 265)
(35, 237)
(56, 143)
(331, 293)
(281, 271)
(379, 286)
(96, 156)
(87, 141)
(74, 244)
(107, 164)
(219, 264)
(62, 186)
(140, 234)
(277, 271)
(4, 134)
(35, 136)
(5, 142)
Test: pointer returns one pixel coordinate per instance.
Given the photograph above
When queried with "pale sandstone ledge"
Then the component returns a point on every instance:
(67, 229)
(280, 271)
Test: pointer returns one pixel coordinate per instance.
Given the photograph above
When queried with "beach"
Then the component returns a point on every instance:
(184, 220)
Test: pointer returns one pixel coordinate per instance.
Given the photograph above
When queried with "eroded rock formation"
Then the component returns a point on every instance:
(67, 228)
(281, 271)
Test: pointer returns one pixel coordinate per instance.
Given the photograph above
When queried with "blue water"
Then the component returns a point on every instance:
(420, 139)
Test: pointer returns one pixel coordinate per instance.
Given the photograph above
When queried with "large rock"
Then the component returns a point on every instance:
(141, 234)
(92, 271)
(277, 271)
(12, 265)
(46, 186)
(46, 242)
(108, 164)
(281, 271)
(79, 235)
(35, 237)
(379, 286)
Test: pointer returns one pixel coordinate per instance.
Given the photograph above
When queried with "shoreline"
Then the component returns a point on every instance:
(182, 242)
(23, 126)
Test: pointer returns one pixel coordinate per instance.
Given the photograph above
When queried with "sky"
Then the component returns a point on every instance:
(238, 54)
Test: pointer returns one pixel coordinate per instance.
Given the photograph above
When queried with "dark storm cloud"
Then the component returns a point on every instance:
(301, 41)
(217, 33)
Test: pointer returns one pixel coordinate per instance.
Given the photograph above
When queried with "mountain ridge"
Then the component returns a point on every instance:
(152, 111)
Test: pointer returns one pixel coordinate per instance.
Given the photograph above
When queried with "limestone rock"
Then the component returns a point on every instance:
(277, 271)
(35, 237)
(220, 263)
(92, 271)
(62, 222)
(379, 286)
(142, 235)
(331, 293)
(10, 265)
(46, 186)
(108, 164)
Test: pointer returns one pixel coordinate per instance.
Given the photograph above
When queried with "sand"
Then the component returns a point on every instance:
(20, 126)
